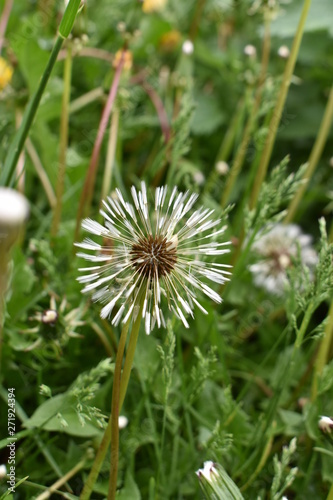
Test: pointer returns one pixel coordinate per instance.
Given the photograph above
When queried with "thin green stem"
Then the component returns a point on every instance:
(63, 140)
(240, 156)
(7, 175)
(323, 353)
(227, 143)
(314, 158)
(89, 183)
(273, 128)
(120, 384)
(330, 493)
(115, 408)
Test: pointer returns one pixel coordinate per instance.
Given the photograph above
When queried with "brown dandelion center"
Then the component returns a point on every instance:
(154, 256)
(280, 260)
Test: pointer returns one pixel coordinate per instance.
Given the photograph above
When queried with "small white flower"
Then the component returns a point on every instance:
(250, 50)
(208, 471)
(122, 422)
(222, 167)
(276, 250)
(199, 178)
(3, 471)
(325, 424)
(284, 52)
(153, 252)
(188, 47)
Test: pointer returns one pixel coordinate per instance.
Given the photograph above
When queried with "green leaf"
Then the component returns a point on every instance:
(68, 19)
(48, 417)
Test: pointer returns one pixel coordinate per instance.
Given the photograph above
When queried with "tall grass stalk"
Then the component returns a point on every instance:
(63, 140)
(240, 156)
(89, 183)
(66, 25)
(273, 127)
(323, 353)
(314, 158)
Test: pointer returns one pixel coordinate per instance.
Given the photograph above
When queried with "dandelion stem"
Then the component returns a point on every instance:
(323, 353)
(115, 408)
(88, 487)
(273, 127)
(63, 140)
(314, 157)
(120, 384)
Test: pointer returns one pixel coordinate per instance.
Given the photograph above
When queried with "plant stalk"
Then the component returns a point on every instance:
(273, 127)
(323, 353)
(89, 184)
(7, 176)
(63, 140)
(118, 395)
(314, 158)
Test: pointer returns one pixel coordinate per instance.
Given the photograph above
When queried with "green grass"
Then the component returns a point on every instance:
(246, 384)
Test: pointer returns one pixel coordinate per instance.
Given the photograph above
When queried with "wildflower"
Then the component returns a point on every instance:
(153, 5)
(6, 73)
(122, 421)
(216, 484)
(250, 50)
(222, 167)
(170, 40)
(188, 47)
(278, 248)
(128, 59)
(284, 52)
(208, 471)
(325, 424)
(152, 253)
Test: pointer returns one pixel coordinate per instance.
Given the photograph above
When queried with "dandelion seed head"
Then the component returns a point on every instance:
(162, 251)
(276, 251)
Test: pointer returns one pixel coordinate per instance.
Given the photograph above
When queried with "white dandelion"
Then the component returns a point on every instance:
(158, 253)
(277, 249)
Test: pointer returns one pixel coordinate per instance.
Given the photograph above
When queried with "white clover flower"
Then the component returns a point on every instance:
(277, 249)
(325, 424)
(152, 252)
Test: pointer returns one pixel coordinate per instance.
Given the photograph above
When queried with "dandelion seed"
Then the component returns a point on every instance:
(276, 250)
(153, 251)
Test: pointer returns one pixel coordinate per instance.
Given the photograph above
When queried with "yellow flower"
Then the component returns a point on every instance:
(128, 59)
(169, 41)
(6, 73)
(153, 5)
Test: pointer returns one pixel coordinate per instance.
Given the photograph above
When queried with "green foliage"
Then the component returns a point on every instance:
(241, 382)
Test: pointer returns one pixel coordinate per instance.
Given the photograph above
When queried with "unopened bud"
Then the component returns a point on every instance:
(325, 424)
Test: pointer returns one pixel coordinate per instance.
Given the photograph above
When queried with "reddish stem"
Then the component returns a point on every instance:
(88, 188)
(4, 20)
